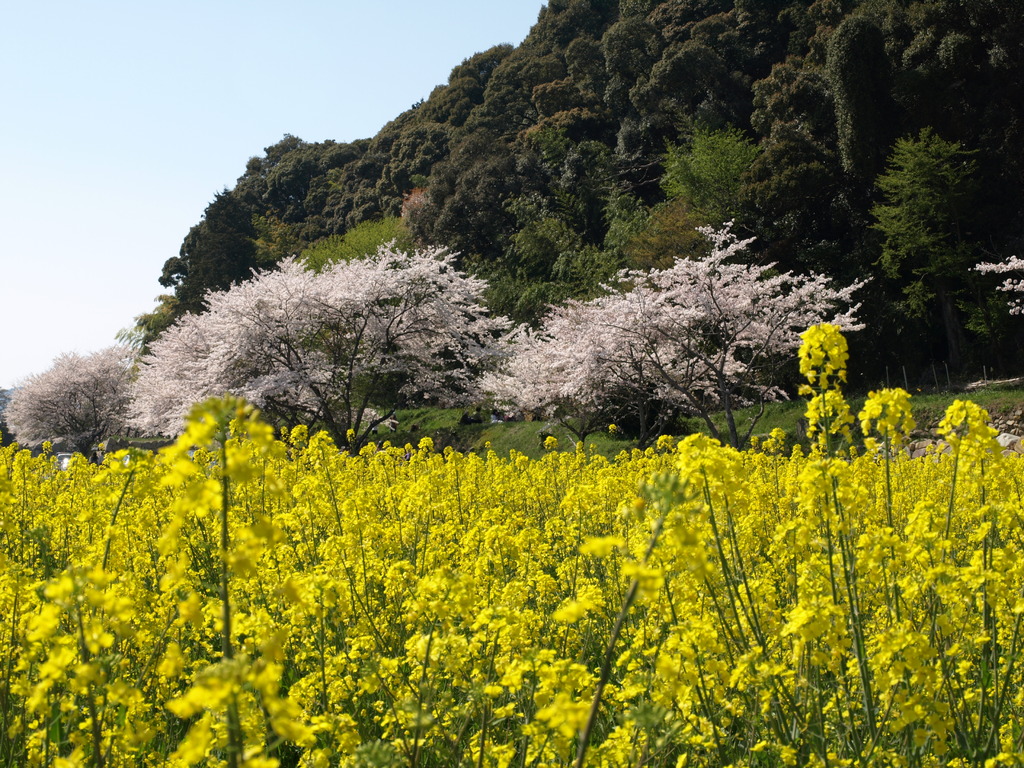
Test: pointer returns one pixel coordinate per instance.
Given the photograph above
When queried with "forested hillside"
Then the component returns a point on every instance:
(878, 139)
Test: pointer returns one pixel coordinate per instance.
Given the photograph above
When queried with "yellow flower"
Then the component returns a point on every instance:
(965, 427)
(888, 413)
(828, 414)
(823, 355)
(602, 546)
(776, 442)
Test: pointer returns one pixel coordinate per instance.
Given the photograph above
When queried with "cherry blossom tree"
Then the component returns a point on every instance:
(581, 370)
(1011, 285)
(80, 400)
(716, 329)
(706, 336)
(338, 348)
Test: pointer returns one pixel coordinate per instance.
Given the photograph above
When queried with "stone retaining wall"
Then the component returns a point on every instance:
(1009, 422)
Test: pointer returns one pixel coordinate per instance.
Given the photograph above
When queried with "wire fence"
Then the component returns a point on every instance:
(936, 377)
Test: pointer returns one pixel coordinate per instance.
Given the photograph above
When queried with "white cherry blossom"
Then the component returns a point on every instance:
(80, 400)
(337, 348)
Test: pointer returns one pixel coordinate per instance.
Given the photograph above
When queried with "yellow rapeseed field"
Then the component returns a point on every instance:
(273, 601)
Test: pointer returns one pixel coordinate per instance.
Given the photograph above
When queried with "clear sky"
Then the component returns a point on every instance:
(119, 121)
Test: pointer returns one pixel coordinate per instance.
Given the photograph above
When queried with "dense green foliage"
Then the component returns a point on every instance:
(616, 127)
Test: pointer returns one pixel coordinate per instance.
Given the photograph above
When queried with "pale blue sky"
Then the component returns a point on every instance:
(119, 121)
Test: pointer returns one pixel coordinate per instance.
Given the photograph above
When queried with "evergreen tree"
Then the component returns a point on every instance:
(929, 187)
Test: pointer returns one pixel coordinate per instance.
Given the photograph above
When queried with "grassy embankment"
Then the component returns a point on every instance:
(527, 437)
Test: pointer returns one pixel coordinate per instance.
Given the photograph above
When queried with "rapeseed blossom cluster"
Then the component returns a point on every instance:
(823, 356)
(249, 599)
